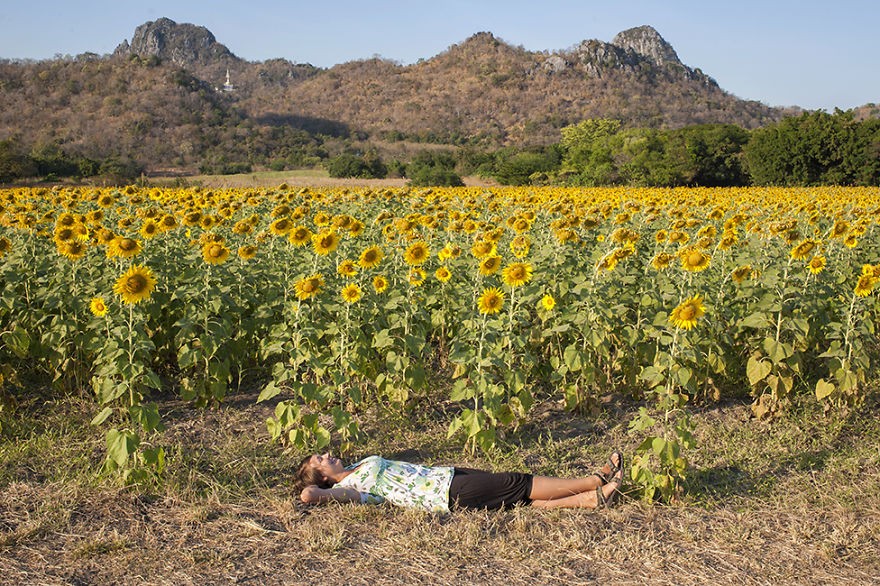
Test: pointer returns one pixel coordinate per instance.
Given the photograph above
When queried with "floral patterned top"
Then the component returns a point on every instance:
(400, 483)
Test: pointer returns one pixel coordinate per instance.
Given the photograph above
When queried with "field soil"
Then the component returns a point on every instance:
(298, 178)
(796, 501)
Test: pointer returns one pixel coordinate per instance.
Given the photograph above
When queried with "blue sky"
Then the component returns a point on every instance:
(807, 53)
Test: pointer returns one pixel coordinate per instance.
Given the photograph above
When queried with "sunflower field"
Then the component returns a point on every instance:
(334, 301)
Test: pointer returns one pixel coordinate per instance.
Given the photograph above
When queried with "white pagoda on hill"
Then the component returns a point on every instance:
(228, 87)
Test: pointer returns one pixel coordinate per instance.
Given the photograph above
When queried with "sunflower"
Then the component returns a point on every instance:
(63, 234)
(816, 264)
(606, 263)
(299, 235)
(135, 285)
(416, 254)
(517, 274)
(661, 236)
(347, 268)
(622, 252)
(804, 249)
(123, 247)
(242, 227)
(685, 316)
(247, 252)
(520, 246)
(565, 235)
(841, 227)
(443, 274)
(149, 228)
(168, 222)
(280, 227)
(661, 261)
(483, 248)
(208, 222)
(309, 286)
(547, 302)
(417, 276)
(380, 284)
(624, 236)
(351, 293)
(66, 219)
(73, 249)
(707, 232)
(105, 236)
(325, 242)
(356, 228)
(215, 253)
(449, 251)
(106, 200)
(694, 259)
(873, 270)
(866, 285)
(678, 237)
(491, 301)
(98, 307)
(851, 241)
(490, 265)
(5, 245)
(521, 225)
(371, 257)
(740, 274)
(280, 210)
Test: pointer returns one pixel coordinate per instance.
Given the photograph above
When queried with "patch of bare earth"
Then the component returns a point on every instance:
(232, 517)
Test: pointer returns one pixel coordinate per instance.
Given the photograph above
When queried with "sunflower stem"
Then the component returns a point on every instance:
(849, 329)
(782, 299)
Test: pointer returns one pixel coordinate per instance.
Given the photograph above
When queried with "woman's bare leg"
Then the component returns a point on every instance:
(584, 500)
(550, 492)
(547, 488)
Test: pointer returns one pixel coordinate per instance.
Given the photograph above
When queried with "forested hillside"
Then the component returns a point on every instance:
(159, 100)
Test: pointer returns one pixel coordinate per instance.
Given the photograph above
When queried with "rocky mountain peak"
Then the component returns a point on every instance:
(646, 41)
(183, 44)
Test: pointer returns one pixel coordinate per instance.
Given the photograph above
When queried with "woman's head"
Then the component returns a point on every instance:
(318, 470)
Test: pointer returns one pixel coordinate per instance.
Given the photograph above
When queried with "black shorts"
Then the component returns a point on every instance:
(479, 489)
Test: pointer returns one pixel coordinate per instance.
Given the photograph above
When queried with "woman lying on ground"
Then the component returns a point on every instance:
(374, 480)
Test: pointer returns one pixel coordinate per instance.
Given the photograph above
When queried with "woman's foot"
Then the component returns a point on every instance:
(613, 464)
(607, 495)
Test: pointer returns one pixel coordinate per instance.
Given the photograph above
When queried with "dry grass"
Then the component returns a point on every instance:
(298, 178)
(789, 503)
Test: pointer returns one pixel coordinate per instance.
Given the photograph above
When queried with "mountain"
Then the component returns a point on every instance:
(182, 44)
(160, 97)
(482, 88)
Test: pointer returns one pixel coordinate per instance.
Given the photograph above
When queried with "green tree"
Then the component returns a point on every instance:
(433, 169)
(366, 166)
(815, 148)
(518, 168)
(588, 151)
(14, 163)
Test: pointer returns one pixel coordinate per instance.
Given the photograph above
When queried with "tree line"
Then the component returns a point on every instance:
(815, 148)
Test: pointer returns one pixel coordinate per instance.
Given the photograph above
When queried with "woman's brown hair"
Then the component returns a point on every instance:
(308, 475)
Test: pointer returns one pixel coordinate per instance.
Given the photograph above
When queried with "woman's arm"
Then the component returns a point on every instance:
(316, 496)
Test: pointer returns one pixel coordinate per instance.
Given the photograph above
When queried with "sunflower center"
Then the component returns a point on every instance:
(694, 258)
(687, 312)
(135, 284)
(127, 244)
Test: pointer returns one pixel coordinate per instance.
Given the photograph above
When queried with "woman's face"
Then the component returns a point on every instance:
(327, 465)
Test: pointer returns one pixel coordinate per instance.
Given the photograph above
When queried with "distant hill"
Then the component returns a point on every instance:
(160, 97)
